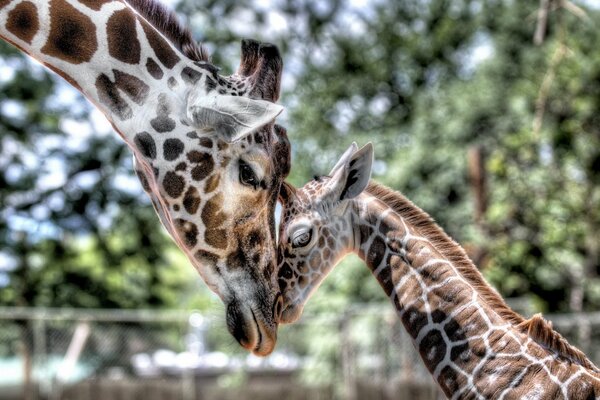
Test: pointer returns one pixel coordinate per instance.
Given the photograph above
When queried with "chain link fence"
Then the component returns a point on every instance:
(100, 354)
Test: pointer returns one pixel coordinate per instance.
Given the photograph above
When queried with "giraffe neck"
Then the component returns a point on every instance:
(106, 50)
(469, 347)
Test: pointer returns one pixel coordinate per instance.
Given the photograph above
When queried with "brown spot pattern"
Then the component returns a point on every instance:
(163, 123)
(206, 256)
(216, 238)
(161, 47)
(145, 144)
(212, 213)
(172, 148)
(204, 164)
(94, 4)
(4, 3)
(154, 69)
(23, 21)
(142, 177)
(123, 43)
(191, 200)
(212, 183)
(376, 252)
(173, 184)
(108, 92)
(72, 35)
(188, 231)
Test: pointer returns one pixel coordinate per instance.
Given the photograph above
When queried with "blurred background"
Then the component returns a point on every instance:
(484, 112)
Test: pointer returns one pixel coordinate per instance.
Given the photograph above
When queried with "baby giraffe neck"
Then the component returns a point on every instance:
(471, 347)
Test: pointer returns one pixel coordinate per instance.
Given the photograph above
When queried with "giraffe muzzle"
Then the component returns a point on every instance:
(249, 328)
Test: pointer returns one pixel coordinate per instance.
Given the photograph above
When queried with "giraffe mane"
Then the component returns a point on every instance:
(167, 23)
(537, 328)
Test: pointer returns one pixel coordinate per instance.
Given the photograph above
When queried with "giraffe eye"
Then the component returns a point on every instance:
(301, 238)
(247, 175)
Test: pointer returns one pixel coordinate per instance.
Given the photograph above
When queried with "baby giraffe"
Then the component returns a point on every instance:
(473, 344)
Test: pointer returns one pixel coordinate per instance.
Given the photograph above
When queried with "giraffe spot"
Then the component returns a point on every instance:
(165, 54)
(206, 257)
(237, 260)
(154, 69)
(145, 144)
(72, 35)
(580, 391)
(181, 166)
(191, 200)
(449, 381)
(301, 266)
(461, 353)
(414, 320)
(222, 145)
(376, 252)
(212, 183)
(176, 207)
(216, 238)
(454, 331)
(94, 4)
(285, 271)
(123, 43)
(205, 142)
(212, 213)
(172, 82)
(108, 92)
(432, 349)
(495, 374)
(188, 232)
(365, 231)
(23, 21)
(190, 75)
(4, 3)
(173, 184)
(172, 148)
(142, 177)
(204, 164)
(209, 84)
(302, 281)
(163, 123)
(315, 260)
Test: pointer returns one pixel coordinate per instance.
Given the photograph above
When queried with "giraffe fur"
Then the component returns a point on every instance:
(472, 343)
(205, 146)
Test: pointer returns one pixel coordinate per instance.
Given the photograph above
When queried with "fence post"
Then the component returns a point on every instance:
(39, 355)
(347, 364)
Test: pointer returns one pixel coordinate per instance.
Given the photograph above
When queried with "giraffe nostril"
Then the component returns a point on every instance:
(278, 307)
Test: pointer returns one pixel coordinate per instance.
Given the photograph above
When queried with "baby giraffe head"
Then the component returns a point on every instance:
(316, 228)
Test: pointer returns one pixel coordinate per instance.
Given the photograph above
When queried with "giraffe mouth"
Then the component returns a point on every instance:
(266, 337)
(291, 313)
(251, 331)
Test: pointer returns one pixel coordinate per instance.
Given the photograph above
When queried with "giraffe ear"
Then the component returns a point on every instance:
(351, 178)
(286, 193)
(232, 117)
(344, 158)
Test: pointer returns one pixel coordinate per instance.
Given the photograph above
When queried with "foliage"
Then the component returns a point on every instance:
(425, 81)
(73, 232)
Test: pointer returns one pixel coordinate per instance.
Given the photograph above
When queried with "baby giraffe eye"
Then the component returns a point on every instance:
(301, 238)
(247, 175)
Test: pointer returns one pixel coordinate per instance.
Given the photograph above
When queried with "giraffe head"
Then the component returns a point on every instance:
(214, 178)
(205, 145)
(316, 229)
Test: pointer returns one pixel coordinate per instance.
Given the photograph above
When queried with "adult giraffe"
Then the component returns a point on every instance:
(205, 146)
(473, 344)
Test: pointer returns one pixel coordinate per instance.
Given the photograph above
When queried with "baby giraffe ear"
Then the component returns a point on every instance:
(231, 117)
(352, 177)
